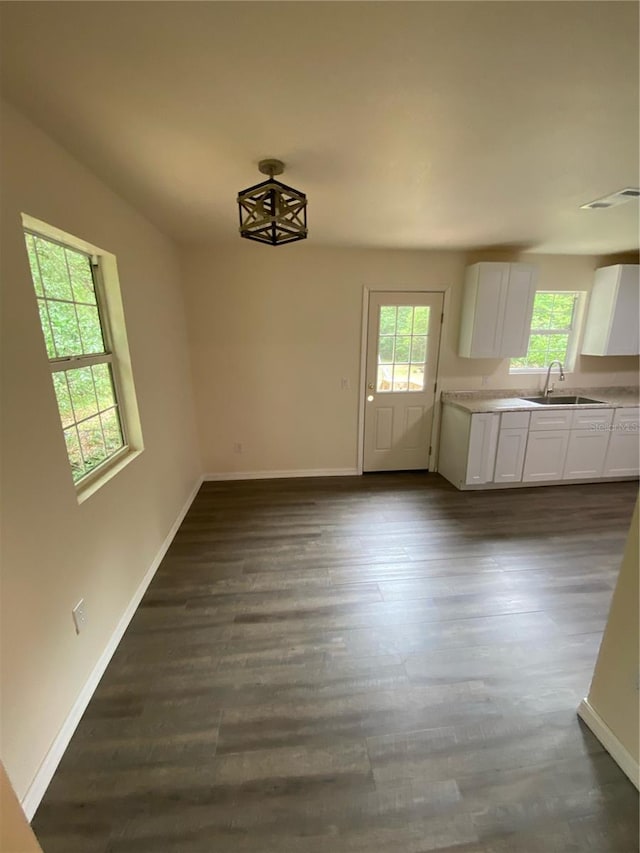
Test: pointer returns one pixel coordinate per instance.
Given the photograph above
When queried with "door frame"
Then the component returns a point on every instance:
(435, 425)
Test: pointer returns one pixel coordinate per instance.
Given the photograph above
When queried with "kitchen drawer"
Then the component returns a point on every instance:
(628, 418)
(556, 419)
(599, 419)
(514, 420)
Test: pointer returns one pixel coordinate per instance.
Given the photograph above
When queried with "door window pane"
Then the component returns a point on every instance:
(385, 349)
(388, 320)
(402, 348)
(401, 377)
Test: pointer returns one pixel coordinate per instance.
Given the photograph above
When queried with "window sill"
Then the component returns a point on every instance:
(85, 490)
(540, 371)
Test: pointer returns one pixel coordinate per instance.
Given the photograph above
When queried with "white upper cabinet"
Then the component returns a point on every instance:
(612, 326)
(496, 310)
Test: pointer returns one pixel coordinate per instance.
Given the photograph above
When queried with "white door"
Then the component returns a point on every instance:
(403, 336)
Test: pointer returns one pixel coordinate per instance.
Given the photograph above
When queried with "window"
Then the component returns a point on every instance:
(67, 279)
(553, 324)
(402, 347)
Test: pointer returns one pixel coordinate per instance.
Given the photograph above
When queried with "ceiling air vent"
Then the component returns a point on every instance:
(613, 200)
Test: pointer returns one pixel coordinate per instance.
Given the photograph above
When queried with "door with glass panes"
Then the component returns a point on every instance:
(403, 336)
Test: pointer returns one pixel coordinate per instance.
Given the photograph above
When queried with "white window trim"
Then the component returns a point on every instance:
(572, 343)
(114, 330)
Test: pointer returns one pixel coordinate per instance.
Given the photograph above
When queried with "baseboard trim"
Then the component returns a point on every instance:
(43, 777)
(279, 475)
(610, 742)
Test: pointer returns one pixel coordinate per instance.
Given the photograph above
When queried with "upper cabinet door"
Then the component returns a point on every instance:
(496, 310)
(518, 311)
(613, 325)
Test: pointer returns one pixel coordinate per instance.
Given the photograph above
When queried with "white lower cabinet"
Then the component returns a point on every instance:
(542, 446)
(585, 454)
(546, 454)
(483, 437)
(512, 444)
(623, 454)
(588, 442)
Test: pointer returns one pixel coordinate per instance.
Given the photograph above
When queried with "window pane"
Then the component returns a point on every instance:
(83, 395)
(542, 310)
(403, 349)
(92, 442)
(53, 268)
(33, 263)
(65, 328)
(419, 350)
(385, 349)
(46, 328)
(112, 431)
(401, 377)
(543, 349)
(74, 454)
(104, 385)
(420, 321)
(405, 320)
(562, 316)
(416, 378)
(557, 348)
(90, 329)
(63, 398)
(384, 378)
(387, 319)
(81, 278)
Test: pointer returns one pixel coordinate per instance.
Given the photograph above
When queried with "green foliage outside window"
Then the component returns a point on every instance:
(551, 328)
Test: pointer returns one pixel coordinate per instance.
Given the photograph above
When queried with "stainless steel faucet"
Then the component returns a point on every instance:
(548, 390)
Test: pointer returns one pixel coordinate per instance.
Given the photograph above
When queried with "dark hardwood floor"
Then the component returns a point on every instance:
(378, 664)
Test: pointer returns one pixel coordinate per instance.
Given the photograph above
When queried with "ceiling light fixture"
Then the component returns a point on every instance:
(272, 212)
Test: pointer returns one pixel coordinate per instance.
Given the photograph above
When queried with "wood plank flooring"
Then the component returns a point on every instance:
(378, 664)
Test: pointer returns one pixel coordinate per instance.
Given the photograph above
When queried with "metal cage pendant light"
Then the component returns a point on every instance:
(272, 212)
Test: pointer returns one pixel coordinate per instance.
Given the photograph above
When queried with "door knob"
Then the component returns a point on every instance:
(370, 386)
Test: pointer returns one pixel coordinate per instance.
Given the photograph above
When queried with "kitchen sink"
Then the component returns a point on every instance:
(562, 401)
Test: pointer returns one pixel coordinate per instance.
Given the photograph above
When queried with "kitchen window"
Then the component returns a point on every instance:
(98, 417)
(553, 332)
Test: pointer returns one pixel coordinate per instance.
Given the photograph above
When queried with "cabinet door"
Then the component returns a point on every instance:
(545, 456)
(613, 319)
(623, 453)
(624, 336)
(585, 454)
(483, 310)
(510, 455)
(483, 437)
(622, 459)
(516, 323)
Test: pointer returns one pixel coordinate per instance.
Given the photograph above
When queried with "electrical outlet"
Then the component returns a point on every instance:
(79, 616)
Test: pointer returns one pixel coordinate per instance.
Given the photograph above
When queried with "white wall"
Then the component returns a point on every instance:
(273, 330)
(55, 551)
(613, 705)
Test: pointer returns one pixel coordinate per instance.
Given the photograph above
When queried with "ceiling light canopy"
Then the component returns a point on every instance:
(271, 212)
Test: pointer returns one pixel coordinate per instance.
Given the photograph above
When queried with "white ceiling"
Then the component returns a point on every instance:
(419, 124)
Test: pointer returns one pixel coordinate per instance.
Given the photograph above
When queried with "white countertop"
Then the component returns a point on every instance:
(511, 401)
